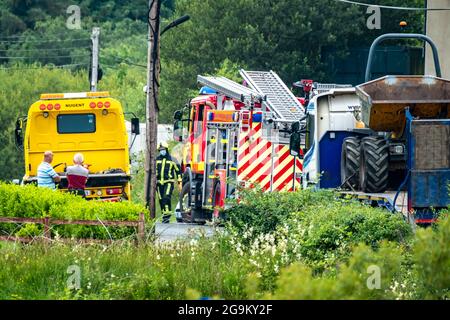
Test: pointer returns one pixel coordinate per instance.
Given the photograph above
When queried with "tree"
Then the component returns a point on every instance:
(287, 36)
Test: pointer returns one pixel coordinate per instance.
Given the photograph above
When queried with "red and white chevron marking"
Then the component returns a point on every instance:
(255, 162)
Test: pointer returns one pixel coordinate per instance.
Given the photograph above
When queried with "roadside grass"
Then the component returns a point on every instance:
(311, 246)
(122, 272)
(218, 268)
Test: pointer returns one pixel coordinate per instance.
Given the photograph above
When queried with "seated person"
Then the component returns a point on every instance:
(77, 176)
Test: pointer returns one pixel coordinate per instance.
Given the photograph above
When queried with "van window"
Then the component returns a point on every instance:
(310, 131)
(76, 123)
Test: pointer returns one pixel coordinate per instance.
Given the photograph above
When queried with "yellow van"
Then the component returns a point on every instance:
(92, 123)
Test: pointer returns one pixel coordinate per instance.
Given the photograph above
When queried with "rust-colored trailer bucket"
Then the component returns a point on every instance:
(383, 101)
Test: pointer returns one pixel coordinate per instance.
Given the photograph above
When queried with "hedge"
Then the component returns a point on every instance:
(33, 202)
(320, 227)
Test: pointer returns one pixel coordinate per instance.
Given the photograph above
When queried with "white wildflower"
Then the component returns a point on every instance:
(253, 262)
(193, 242)
(274, 251)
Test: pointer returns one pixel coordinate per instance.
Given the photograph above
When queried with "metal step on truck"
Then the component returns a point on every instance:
(399, 156)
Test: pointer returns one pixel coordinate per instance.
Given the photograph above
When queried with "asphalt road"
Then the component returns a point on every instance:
(173, 231)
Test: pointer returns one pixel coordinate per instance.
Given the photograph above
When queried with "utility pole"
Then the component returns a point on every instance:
(152, 105)
(95, 50)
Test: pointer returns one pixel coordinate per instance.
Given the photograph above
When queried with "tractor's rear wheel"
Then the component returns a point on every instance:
(185, 204)
(374, 165)
(350, 161)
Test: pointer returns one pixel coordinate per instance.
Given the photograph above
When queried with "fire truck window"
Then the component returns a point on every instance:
(199, 125)
(200, 113)
(194, 114)
(76, 123)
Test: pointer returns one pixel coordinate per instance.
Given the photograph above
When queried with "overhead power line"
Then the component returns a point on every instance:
(44, 57)
(46, 67)
(24, 36)
(125, 61)
(110, 66)
(392, 7)
(42, 49)
(44, 41)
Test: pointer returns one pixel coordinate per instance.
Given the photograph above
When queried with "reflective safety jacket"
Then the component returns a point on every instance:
(167, 170)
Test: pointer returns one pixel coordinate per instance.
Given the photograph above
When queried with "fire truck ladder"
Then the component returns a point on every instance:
(318, 88)
(221, 153)
(231, 89)
(280, 100)
(324, 87)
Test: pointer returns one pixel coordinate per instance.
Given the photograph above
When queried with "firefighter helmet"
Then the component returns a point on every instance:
(163, 145)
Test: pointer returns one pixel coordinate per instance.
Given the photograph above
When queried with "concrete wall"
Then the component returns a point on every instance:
(438, 29)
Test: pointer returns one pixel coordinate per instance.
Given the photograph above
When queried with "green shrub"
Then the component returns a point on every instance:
(325, 232)
(33, 202)
(319, 228)
(354, 280)
(264, 212)
(419, 271)
(431, 256)
(30, 230)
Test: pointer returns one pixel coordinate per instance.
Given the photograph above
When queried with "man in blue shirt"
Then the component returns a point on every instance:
(46, 175)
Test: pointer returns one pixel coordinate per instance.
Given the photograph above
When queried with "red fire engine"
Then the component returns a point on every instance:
(236, 135)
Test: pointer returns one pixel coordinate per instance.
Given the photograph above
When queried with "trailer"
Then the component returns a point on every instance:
(393, 201)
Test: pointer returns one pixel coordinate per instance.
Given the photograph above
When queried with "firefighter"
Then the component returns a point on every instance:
(167, 172)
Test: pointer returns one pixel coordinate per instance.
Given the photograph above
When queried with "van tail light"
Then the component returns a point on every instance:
(113, 191)
(115, 199)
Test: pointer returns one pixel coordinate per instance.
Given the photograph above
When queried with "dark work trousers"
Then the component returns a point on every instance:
(164, 192)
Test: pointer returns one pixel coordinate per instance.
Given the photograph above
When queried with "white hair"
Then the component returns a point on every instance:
(47, 155)
(78, 158)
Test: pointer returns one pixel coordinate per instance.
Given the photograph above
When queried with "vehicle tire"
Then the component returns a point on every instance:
(185, 200)
(350, 161)
(374, 165)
